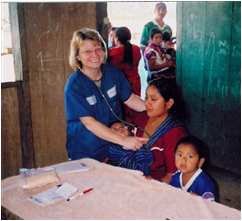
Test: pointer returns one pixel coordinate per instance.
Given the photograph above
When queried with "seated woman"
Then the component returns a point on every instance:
(93, 96)
(157, 57)
(156, 158)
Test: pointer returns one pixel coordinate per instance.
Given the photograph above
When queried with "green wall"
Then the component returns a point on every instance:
(209, 69)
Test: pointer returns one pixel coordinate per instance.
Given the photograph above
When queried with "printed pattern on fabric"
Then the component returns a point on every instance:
(160, 55)
(155, 51)
(136, 160)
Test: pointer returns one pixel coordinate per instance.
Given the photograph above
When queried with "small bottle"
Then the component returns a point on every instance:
(23, 173)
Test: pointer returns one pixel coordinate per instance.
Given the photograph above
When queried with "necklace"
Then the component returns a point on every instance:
(98, 81)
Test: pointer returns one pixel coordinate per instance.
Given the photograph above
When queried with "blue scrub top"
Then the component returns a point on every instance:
(82, 98)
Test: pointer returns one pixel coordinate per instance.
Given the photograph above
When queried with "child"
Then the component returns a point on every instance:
(189, 158)
(168, 45)
(155, 56)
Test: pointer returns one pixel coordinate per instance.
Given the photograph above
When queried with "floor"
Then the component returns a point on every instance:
(229, 187)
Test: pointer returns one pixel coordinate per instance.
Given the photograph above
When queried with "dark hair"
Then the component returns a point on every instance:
(168, 88)
(203, 152)
(155, 31)
(166, 36)
(123, 34)
(199, 146)
(113, 28)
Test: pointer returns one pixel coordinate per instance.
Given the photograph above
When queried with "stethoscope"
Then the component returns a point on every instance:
(134, 127)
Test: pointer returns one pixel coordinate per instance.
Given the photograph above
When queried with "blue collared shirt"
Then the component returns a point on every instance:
(83, 98)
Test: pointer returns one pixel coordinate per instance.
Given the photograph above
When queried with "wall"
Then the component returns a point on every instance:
(11, 154)
(208, 66)
(47, 45)
(36, 115)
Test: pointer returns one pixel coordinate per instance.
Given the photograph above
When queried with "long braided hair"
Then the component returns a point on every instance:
(123, 34)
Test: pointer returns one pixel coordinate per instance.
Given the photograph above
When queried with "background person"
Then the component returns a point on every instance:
(92, 97)
(111, 35)
(126, 56)
(159, 63)
(160, 11)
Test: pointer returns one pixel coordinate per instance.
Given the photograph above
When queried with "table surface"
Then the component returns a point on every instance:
(118, 194)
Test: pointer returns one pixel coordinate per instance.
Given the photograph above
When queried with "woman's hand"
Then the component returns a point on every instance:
(103, 132)
(134, 143)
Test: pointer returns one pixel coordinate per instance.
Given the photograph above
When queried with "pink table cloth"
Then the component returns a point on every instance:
(118, 194)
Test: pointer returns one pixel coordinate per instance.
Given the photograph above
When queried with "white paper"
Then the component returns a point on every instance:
(66, 190)
(46, 197)
(54, 194)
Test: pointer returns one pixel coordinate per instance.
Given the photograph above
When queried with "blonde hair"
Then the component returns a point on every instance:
(78, 37)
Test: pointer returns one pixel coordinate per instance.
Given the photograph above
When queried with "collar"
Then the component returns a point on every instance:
(155, 22)
(190, 182)
(102, 69)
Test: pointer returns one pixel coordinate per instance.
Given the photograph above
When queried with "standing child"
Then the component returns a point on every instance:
(189, 158)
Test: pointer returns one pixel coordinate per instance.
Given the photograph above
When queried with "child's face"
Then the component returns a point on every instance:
(120, 129)
(187, 159)
(157, 39)
(156, 105)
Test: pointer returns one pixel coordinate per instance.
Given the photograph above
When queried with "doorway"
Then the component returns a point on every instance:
(135, 15)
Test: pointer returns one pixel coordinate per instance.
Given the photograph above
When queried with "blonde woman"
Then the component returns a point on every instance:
(93, 96)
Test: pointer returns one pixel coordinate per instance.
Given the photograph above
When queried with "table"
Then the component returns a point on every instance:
(118, 194)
